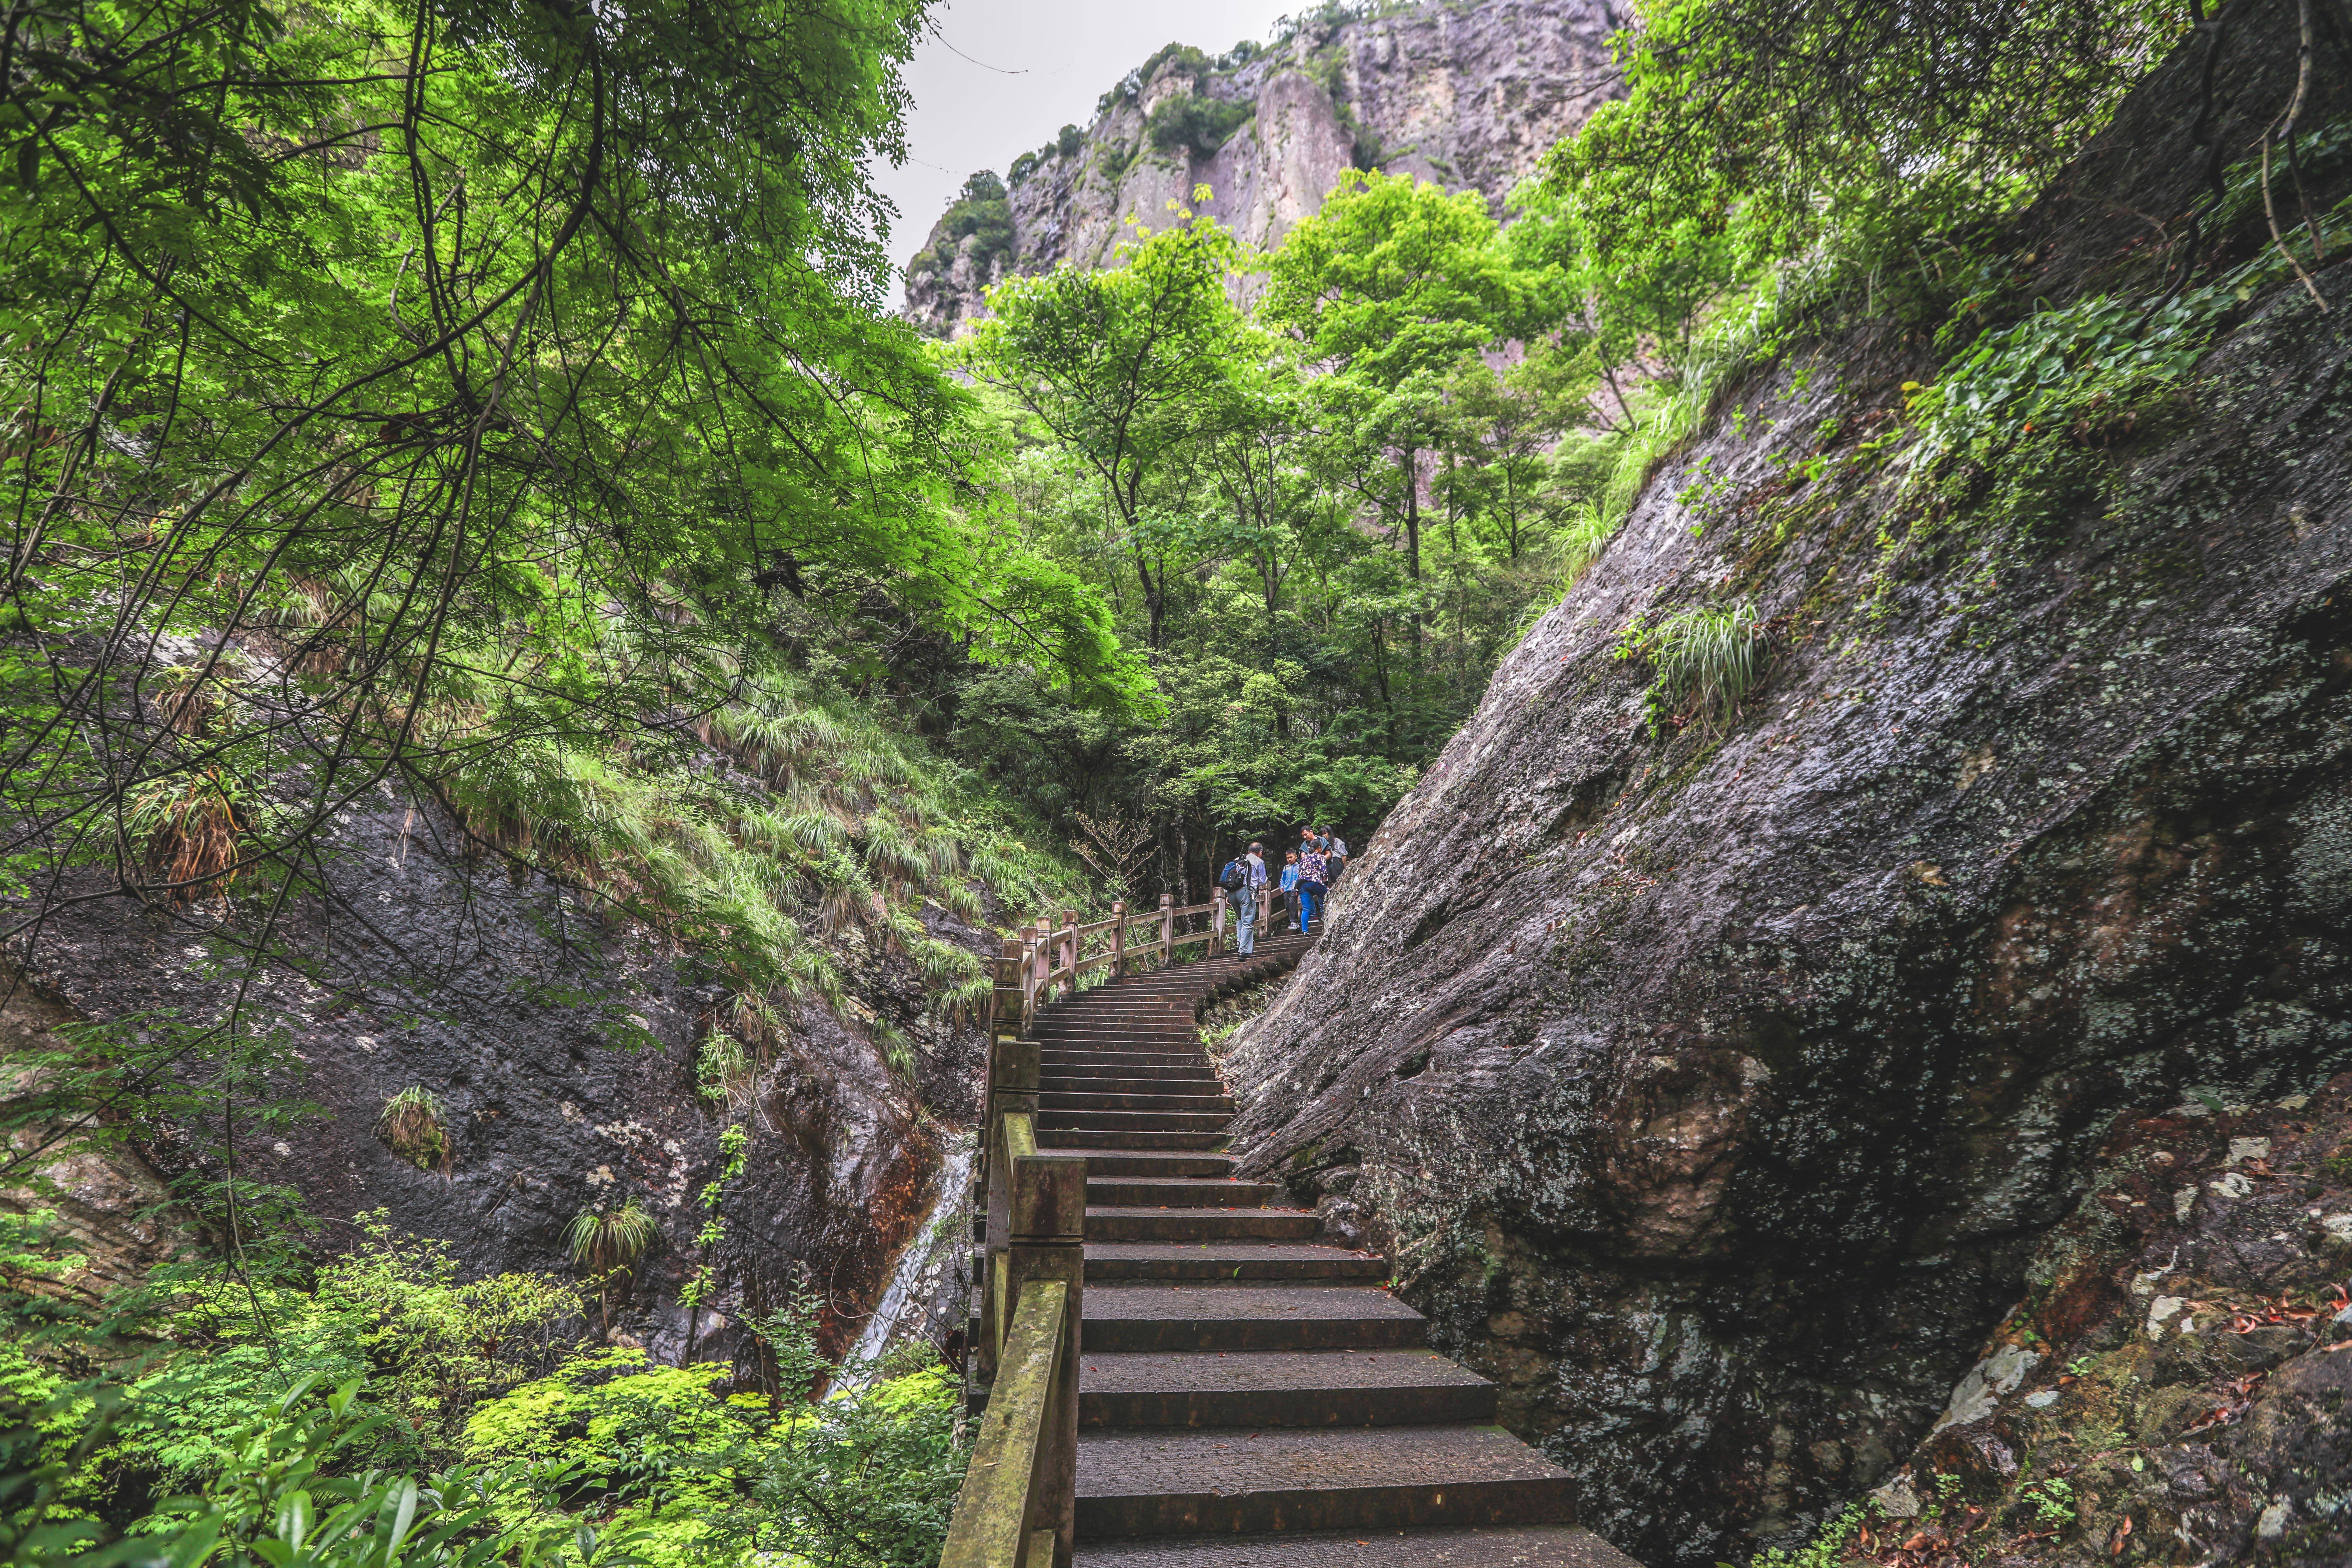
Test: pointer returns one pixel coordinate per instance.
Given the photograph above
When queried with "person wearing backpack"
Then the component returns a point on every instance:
(1242, 877)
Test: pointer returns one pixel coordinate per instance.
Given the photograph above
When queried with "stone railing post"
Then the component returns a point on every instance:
(1048, 1243)
(1216, 920)
(1167, 930)
(1043, 938)
(1012, 1078)
(1070, 945)
(1118, 938)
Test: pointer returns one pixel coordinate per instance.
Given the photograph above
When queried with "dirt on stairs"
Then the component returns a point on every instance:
(1249, 1394)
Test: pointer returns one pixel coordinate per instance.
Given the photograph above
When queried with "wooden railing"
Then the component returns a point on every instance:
(1020, 1494)
(1055, 959)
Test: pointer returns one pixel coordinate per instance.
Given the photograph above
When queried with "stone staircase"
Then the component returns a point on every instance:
(1248, 1395)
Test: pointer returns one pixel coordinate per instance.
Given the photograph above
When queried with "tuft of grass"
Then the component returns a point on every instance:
(603, 1239)
(188, 829)
(1707, 659)
(412, 1126)
(897, 1052)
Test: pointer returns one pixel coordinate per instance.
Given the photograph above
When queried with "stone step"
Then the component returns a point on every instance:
(1248, 1316)
(1200, 1088)
(1129, 1192)
(1133, 1120)
(1229, 1480)
(1116, 1040)
(1278, 1389)
(1106, 1221)
(1215, 1260)
(1121, 1071)
(1174, 1010)
(1220, 1103)
(1129, 1162)
(1126, 1138)
(1191, 1059)
(1499, 1546)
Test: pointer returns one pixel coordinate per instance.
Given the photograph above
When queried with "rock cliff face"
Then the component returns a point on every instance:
(1712, 1092)
(1467, 95)
(562, 1047)
(2173, 1385)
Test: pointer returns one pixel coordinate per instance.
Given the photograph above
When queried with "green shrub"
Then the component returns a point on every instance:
(1825, 1550)
(2096, 366)
(1200, 124)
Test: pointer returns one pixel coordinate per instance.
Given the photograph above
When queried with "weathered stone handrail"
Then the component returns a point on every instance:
(1018, 1502)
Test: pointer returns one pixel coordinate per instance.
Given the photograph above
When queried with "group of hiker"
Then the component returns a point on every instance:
(1308, 873)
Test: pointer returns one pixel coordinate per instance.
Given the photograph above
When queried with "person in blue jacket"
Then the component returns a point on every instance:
(1288, 887)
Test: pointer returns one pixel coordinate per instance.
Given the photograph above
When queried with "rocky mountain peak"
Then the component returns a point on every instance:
(1468, 95)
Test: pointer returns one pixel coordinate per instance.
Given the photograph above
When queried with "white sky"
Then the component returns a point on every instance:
(972, 112)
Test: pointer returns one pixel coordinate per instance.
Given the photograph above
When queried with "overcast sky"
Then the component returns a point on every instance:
(1000, 77)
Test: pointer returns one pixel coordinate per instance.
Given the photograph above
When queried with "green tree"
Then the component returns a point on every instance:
(1389, 288)
(1126, 367)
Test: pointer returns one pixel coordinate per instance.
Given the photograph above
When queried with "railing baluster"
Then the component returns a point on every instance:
(1167, 930)
(1118, 938)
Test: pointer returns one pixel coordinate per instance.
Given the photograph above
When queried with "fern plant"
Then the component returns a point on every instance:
(412, 1125)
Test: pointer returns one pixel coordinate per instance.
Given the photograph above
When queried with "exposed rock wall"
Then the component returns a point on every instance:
(110, 1205)
(562, 1044)
(1467, 95)
(2173, 1386)
(1712, 1092)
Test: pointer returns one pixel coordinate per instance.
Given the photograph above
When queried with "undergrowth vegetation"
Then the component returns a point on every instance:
(481, 1410)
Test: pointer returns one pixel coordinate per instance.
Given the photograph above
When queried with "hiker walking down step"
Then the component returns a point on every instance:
(1287, 899)
(1244, 880)
(1313, 868)
(1335, 850)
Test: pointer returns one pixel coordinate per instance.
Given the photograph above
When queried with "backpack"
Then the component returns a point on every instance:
(1234, 877)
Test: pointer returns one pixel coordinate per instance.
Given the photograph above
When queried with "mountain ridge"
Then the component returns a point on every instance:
(1467, 95)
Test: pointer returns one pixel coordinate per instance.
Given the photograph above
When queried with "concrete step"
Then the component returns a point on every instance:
(1059, 1138)
(1174, 1009)
(1106, 1221)
(1129, 1192)
(1500, 1546)
(1204, 1088)
(1278, 1389)
(1190, 1059)
(1121, 1071)
(1133, 1120)
(1247, 1317)
(1228, 1480)
(1108, 1037)
(1129, 1162)
(1219, 1104)
(1216, 1260)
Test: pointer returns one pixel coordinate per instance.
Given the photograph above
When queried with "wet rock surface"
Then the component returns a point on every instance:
(562, 1043)
(2174, 1385)
(1712, 1092)
(112, 1214)
(1468, 96)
